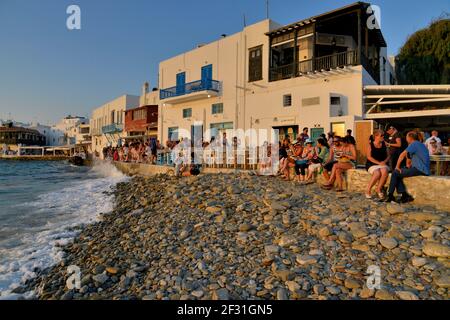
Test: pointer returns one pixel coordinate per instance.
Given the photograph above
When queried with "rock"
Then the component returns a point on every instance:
(183, 235)
(358, 230)
(352, 283)
(443, 281)
(333, 290)
(277, 206)
(424, 216)
(137, 212)
(287, 240)
(305, 260)
(220, 294)
(282, 294)
(112, 270)
(394, 208)
(67, 296)
(344, 237)
(324, 232)
(388, 243)
(198, 293)
(292, 286)
(366, 293)
(418, 261)
(220, 219)
(271, 250)
(100, 278)
(406, 295)
(245, 227)
(427, 234)
(384, 295)
(434, 249)
(283, 274)
(318, 289)
(213, 209)
(360, 247)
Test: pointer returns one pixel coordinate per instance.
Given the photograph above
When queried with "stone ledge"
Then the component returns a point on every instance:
(433, 190)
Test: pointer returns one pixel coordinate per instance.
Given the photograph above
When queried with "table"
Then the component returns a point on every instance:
(440, 159)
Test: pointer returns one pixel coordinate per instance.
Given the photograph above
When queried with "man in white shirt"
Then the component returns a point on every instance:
(434, 136)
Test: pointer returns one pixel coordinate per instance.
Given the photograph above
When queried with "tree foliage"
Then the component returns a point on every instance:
(425, 57)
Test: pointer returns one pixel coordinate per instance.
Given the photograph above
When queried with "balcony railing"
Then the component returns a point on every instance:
(339, 60)
(112, 128)
(195, 86)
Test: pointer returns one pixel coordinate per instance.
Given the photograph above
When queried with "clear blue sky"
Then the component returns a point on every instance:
(47, 71)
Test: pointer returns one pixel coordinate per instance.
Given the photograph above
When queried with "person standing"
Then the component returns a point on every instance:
(394, 143)
(420, 166)
(304, 135)
(435, 137)
(351, 139)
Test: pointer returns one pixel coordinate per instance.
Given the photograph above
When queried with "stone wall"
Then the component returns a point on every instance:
(434, 191)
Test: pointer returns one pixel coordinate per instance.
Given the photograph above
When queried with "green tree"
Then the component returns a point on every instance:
(425, 57)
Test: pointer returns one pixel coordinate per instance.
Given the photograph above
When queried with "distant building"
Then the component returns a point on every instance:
(12, 137)
(65, 130)
(107, 122)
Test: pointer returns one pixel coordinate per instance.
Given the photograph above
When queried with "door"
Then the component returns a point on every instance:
(197, 135)
(315, 133)
(181, 81)
(363, 131)
(206, 76)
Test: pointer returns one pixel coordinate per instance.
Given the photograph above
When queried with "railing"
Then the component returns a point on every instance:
(195, 86)
(368, 67)
(339, 60)
(112, 128)
(282, 72)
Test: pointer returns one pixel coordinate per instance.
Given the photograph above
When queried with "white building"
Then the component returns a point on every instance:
(66, 129)
(307, 74)
(107, 122)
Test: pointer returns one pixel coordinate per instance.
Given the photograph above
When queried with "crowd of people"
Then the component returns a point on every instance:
(302, 159)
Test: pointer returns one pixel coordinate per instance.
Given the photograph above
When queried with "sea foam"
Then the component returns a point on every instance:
(76, 204)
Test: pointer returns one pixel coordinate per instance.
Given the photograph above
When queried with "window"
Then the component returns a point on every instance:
(187, 113)
(138, 114)
(217, 108)
(335, 100)
(218, 128)
(287, 100)
(173, 134)
(255, 64)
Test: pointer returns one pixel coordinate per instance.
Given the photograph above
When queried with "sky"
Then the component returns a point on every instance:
(48, 72)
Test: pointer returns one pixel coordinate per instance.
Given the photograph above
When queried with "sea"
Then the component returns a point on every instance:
(43, 205)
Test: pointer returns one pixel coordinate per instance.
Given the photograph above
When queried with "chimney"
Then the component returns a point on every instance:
(145, 88)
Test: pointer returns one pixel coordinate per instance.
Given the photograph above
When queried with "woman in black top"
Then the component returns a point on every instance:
(377, 160)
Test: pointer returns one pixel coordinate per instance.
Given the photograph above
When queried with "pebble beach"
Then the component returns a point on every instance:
(239, 236)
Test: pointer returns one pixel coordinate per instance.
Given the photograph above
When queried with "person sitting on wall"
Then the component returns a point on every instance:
(302, 163)
(420, 166)
(377, 160)
(334, 154)
(346, 161)
(321, 155)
